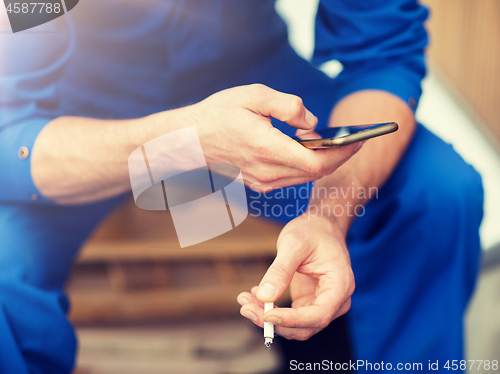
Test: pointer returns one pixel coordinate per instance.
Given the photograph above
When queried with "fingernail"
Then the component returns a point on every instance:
(358, 146)
(310, 119)
(248, 314)
(266, 291)
(274, 320)
(243, 300)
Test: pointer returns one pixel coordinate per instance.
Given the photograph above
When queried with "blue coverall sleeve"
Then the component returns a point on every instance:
(29, 68)
(380, 44)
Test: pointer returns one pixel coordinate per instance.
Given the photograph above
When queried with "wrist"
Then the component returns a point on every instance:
(340, 198)
(329, 222)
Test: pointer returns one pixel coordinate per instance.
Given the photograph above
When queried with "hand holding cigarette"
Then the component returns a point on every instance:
(313, 260)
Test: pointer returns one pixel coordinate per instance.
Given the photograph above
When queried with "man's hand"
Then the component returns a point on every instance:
(312, 251)
(77, 160)
(234, 126)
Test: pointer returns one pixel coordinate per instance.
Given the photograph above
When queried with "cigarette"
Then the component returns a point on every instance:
(268, 327)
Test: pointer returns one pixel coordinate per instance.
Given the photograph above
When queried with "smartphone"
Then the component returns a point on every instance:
(337, 136)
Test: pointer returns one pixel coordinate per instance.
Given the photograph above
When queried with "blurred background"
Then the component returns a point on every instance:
(141, 305)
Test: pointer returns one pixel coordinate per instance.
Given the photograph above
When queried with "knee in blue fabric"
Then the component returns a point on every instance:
(451, 191)
(37, 247)
(442, 179)
(432, 182)
(415, 256)
(36, 336)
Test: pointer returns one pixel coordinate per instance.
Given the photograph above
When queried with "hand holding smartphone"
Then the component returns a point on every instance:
(338, 136)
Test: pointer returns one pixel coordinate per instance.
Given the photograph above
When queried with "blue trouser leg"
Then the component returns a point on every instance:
(415, 251)
(415, 257)
(35, 335)
(37, 248)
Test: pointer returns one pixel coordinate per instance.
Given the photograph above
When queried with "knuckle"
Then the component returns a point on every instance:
(258, 88)
(265, 178)
(265, 189)
(279, 270)
(296, 105)
(324, 322)
(256, 186)
(328, 171)
(263, 154)
(345, 308)
(304, 336)
(348, 305)
(316, 168)
(352, 285)
(295, 241)
(261, 187)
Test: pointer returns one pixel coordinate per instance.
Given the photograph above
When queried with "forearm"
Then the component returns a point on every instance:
(358, 180)
(81, 160)
(78, 160)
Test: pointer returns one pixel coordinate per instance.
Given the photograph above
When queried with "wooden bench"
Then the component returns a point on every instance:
(133, 269)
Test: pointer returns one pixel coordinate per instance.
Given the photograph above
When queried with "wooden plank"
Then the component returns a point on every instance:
(160, 250)
(132, 234)
(112, 307)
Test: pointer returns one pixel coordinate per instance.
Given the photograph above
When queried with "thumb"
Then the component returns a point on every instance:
(285, 107)
(278, 277)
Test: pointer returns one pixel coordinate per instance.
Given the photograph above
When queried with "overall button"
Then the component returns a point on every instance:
(23, 152)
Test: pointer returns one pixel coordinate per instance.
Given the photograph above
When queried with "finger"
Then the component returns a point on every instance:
(332, 158)
(331, 299)
(290, 153)
(254, 313)
(280, 273)
(248, 298)
(344, 309)
(285, 107)
(312, 316)
(281, 183)
(243, 298)
(302, 286)
(295, 333)
(270, 175)
(282, 150)
(307, 134)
